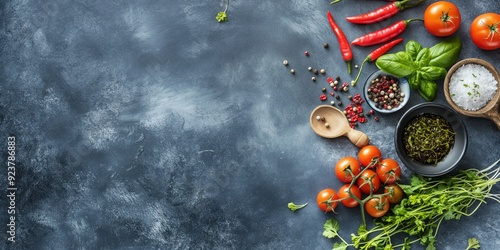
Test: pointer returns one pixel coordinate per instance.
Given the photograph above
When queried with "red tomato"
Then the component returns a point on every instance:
(369, 155)
(442, 18)
(377, 206)
(395, 192)
(368, 180)
(389, 171)
(485, 31)
(346, 168)
(346, 198)
(326, 200)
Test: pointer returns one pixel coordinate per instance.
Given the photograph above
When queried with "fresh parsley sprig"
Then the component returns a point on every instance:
(222, 16)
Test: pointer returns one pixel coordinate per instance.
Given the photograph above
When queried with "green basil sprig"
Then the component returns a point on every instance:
(422, 66)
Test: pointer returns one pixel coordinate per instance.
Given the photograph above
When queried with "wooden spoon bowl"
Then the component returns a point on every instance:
(488, 111)
(330, 122)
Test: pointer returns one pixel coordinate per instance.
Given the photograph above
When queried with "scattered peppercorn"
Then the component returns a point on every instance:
(292, 71)
(285, 62)
(315, 71)
(376, 118)
(309, 68)
(313, 79)
(322, 71)
(322, 97)
(306, 53)
(323, 89)
(354, 111)
(325, 45)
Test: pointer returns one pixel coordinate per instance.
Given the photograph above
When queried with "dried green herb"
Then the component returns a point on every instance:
(428, 138)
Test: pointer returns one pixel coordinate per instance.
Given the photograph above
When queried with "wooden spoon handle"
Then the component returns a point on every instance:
(357, 137)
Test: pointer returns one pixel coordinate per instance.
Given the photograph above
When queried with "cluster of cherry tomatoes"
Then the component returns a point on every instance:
(369, 180)
(442, 18)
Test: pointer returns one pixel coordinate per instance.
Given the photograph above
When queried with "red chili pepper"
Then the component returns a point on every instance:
(376, 54)
(383, 35)
(345, 48)
(383, 12)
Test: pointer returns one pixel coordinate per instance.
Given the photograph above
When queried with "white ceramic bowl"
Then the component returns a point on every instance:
(403, 84)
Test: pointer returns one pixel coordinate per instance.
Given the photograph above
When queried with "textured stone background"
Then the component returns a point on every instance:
(148, 125)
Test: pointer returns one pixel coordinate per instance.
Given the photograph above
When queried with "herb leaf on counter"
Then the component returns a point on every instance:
(222, 16)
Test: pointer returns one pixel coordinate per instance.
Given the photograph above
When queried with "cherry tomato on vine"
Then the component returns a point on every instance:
(346, 198)
(395, 192)
(368, 179)
(369, 155)
(346, 168)
(377, 206)
(442, 18)
(326, 200)
(389, 171)
(485, 31)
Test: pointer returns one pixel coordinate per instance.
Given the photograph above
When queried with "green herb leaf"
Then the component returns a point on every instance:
(473, 243)
(407, 244)
(412, 48)
(339, 246)
(399, 64)
(293, 207)
(414, 80)
(331, 227)
(445, 53)
(427, 89)
(432, 73)
(221, 17)
(423, 57)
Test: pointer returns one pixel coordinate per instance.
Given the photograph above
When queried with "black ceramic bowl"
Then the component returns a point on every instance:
(455, 154)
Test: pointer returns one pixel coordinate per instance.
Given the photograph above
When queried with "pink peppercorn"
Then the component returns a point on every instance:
(322, 97)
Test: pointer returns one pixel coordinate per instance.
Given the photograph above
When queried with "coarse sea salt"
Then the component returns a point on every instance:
(472, 86)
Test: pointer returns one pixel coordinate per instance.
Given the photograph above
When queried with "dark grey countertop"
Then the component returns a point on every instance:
(148, 125)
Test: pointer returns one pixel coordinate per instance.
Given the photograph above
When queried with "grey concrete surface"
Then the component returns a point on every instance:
(148, 125)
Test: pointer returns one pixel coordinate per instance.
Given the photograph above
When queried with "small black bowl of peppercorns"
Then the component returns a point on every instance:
(386, 93)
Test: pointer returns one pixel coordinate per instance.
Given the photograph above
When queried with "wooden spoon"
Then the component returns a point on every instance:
(490, 110)
(330, 122)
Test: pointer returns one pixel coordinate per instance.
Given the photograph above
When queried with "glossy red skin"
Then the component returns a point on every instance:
(485, 31)
(344, 193)
(366, 177)
(367, 153)
(324, 196)
(397, 195)
(343, 164)
(382, 35)
(388, 171)
(377, 207)
(442, 18)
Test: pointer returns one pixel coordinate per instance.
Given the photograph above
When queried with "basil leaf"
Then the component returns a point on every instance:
(445, 53)
(427, 89)
(399, 64)
(432, 73)
(423, 57)
(412, 48)
(414, 80)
